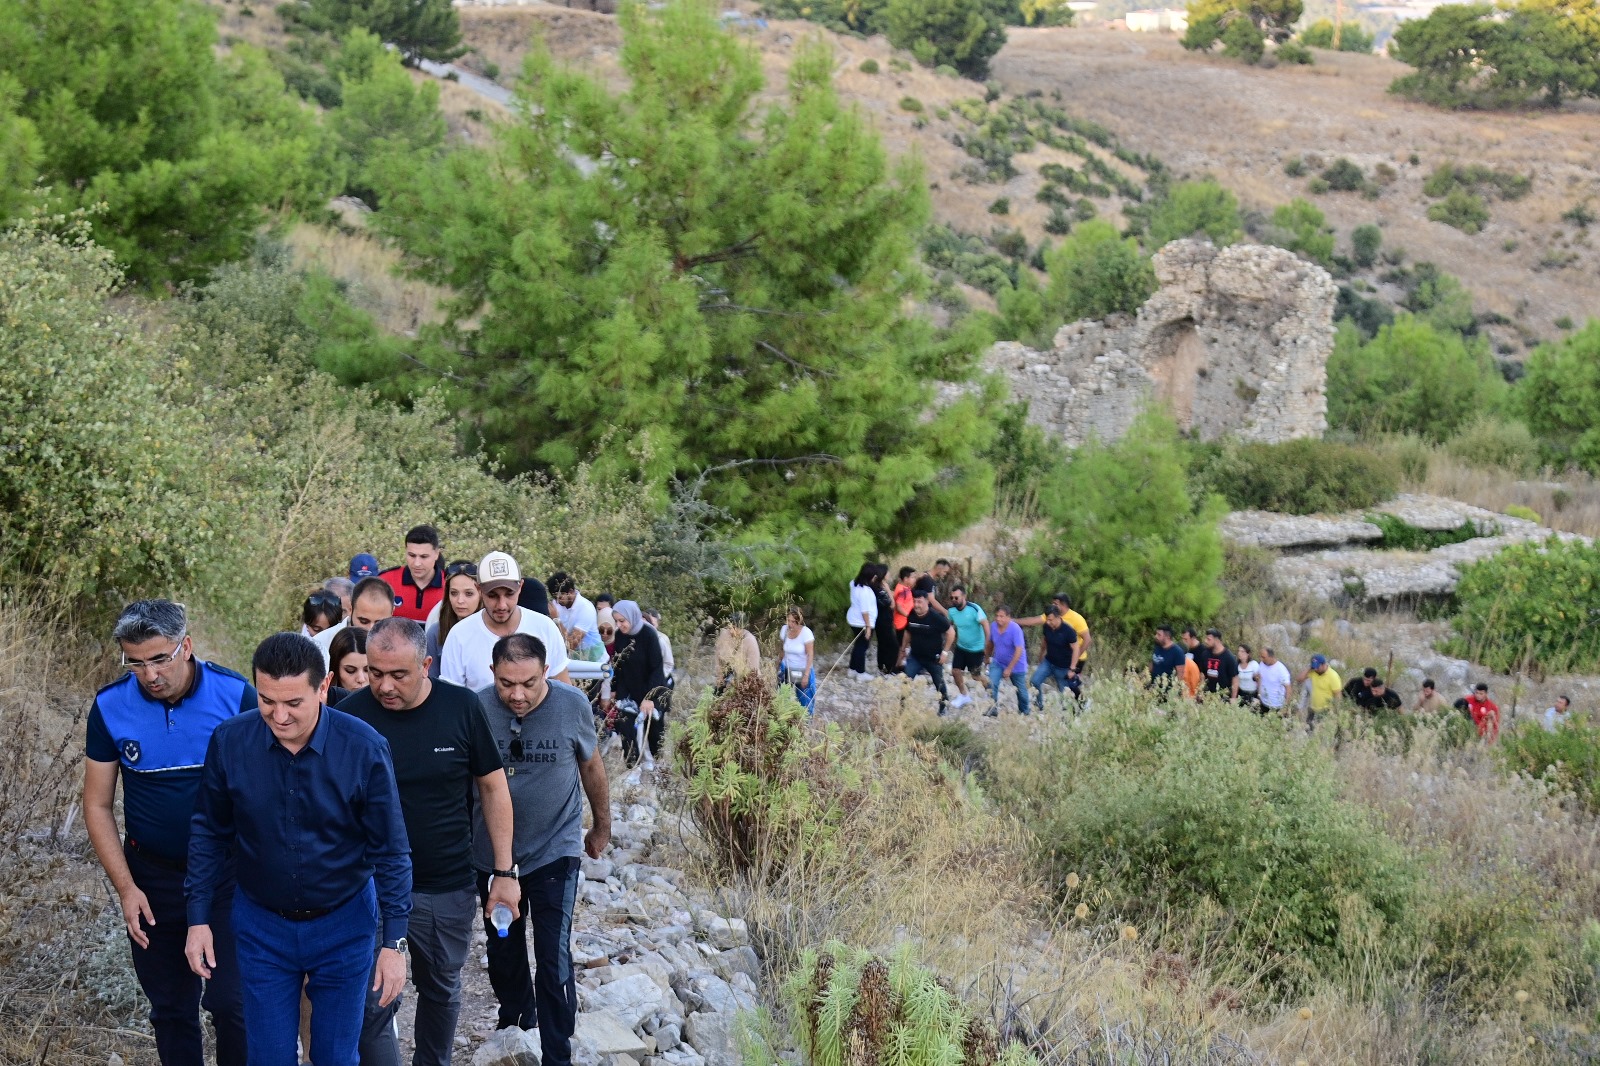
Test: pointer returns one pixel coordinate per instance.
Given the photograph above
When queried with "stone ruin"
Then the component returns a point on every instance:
(1234, 342)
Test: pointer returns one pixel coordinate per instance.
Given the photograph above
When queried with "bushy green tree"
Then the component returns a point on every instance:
(1365, 241)
(963, 34)
(1410, 378)
(1559, 396)
(1243, 40)
(1481, 55)
(384, 113)
(420, 29)
(1196, 209)
(1096, 272)
(1210, 20)
(1124, 533)
(662, 267)
(1300, 227)
(20, 150)
(130, 107)
(1532, 606)
(1352, 37)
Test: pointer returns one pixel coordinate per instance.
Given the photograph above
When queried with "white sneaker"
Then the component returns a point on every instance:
(961, 701)
(649, 764)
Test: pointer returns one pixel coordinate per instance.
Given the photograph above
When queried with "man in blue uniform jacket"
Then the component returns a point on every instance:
(151, 728)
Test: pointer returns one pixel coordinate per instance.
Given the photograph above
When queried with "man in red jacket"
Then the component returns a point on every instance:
(419, 584)
(1485, 714)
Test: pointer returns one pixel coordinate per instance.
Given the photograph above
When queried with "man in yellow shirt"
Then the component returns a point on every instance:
(1073, 619)
(1324, 687)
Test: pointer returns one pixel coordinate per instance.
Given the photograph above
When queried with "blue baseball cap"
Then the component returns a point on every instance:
(1318, 660)
(363, 565)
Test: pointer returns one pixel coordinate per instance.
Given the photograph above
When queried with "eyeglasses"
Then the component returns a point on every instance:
(156, 662)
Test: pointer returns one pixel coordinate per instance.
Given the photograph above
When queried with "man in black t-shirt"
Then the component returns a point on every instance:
(1058, 656)
(925, 643)
(440, 744)
(1219, 667)
(1378, 697)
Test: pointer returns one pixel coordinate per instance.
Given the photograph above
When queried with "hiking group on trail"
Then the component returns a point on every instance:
(417, 757)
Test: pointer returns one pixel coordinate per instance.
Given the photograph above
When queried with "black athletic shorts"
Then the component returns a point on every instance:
(966, 661)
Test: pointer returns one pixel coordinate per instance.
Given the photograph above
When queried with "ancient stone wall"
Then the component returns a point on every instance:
(1235, 341)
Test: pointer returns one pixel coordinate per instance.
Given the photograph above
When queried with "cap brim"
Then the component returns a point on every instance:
(498, 582)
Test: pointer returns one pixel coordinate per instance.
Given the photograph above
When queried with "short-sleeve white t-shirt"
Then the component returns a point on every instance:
(794, 649)
(469, 648)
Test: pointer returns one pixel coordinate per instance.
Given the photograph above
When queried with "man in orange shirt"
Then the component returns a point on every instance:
(1191, 669)
(903, 600)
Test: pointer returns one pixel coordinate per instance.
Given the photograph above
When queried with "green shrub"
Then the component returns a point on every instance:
(1532, 606)
(910, 103)
(1352, 38)
(1059, 223)
(1295, 53)
(1496, 443)
(1401, 535)
(1096, 272)
(1580, 215)
(1196, 208)
(1212, 814)
(1317, 186)
(1517, 510)
(1305, 476)
(1364, 244)
(1463, 210)
(1301, 227)
(849, 1006)
(1564, 322)
(1569, 758)
(1243, 40)
(1123, 531)
(747, 764)
(1410, 378)
(1447, 177)
(1295, 167)
(869, 66)
(1559, 396)
(1002, 206)
(1342, 175)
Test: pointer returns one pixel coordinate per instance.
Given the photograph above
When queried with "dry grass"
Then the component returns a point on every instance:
(401, 305)
(1207, 114)
(1567, 501)
(53, 899)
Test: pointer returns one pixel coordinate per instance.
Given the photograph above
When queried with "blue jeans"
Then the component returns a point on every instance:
(807, 693)
(935, 670)
(1048, 670)
(332, 956)
(1019, 681)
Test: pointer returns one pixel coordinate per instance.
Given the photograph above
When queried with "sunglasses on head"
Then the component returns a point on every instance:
(457, 569)
(323, 599)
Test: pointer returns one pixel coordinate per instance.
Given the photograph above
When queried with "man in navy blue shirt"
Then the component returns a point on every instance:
(305, 796)
(151, 728)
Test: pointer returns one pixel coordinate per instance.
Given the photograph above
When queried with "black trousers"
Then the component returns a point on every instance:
(546, 997)
(858, 651)
(174, 991)
(627, 729)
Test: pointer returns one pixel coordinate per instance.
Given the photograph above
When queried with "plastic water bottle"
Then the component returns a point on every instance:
(501, 917)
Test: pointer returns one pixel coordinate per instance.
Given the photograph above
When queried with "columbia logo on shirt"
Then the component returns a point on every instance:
(436, 751)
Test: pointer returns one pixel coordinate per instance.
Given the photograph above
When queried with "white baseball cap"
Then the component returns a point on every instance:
(497, 569)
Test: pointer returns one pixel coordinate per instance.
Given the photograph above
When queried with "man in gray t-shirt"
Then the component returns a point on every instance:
(545, 732)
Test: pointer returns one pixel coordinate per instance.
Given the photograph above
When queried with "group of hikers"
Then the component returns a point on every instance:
(416, 759)
(926, 620)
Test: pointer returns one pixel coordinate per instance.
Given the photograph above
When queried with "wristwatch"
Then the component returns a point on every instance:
(396, 945)
(511, 873)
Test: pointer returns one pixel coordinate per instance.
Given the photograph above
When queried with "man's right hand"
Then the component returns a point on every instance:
(135, 905)
(391, 975)
(200, 950)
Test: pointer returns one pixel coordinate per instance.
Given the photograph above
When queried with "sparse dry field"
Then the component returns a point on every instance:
(1209, 115)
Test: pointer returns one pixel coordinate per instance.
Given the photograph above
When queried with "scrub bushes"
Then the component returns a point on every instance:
(1296, 477)
(1532, 606)
(758, 785)
(1569, 758)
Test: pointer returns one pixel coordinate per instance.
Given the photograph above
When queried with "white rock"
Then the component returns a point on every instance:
(597, 869)
(668, 1037)
(713, 1036)
(630, 998)
(509, 1047)
(608, 1035)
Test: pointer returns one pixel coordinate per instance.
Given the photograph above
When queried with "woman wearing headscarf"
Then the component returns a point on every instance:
(639, 685)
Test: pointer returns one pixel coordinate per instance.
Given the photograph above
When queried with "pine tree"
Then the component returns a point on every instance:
(675, 281)
(420, 29)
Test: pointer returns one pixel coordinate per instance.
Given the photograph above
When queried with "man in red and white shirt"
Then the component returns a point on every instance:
(419, 584)
(1485, 713)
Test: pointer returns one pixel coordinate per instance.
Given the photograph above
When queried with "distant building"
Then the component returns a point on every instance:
(1165, 20)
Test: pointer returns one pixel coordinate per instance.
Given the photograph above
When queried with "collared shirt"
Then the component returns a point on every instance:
(159, 748)
(308, 830)
(411, 600)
